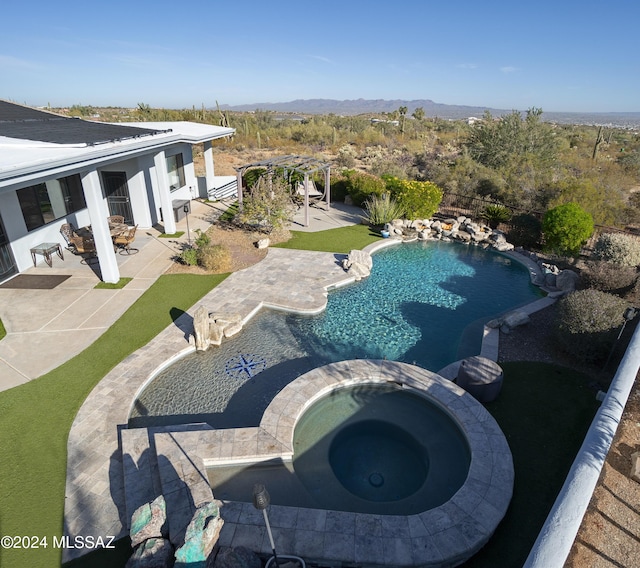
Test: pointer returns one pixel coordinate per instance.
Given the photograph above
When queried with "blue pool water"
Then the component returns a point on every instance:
(425, 303)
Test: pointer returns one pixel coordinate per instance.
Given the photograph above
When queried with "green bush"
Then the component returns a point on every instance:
(566, 228)
(360, 186)
(382, 209)
(495, 214)
(587, 323)
(526, 231)
(268, 206)
(618, 248)
(215, 258)
(608, 277)
(420, 199)
(189, 256)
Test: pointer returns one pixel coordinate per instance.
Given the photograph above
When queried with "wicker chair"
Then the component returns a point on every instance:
(124, 240)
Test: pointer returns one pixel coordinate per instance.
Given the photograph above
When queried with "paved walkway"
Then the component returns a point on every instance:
(57, 324)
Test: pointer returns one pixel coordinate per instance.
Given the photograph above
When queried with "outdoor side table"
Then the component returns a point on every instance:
(46, 249)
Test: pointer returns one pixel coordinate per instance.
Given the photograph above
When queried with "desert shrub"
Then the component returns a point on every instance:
(361, 185)
(608, 277)
(382, 209)
(215, 258)
(566, 228)
(338, 187)
(268, 206)
(618, 248)
(346, 157)
(419, 199)
(587, 323)
(526, 231)
(495, 214)
(189, 256)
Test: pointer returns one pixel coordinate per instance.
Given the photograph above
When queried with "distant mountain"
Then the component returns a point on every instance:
(431, 109)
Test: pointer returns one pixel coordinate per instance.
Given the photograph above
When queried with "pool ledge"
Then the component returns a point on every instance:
(446, 535)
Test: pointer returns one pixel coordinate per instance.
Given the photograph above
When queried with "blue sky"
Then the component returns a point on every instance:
(561, 55)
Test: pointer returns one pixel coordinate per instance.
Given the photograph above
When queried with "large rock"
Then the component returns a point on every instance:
(361, 257)
(515, 319)
(154, 553)
(200, 537)
(149, 521)
(567, 281)
(201, 328)
(359, 271)
(239, 557)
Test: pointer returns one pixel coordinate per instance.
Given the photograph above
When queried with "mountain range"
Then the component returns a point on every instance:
(431, 109)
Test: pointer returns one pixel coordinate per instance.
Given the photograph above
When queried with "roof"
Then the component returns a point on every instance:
(36, 144)
(24, 123)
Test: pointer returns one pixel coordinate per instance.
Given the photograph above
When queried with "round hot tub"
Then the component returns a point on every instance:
(379, 448)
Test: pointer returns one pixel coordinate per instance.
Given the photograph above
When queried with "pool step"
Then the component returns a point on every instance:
(140, 470)
(156, 462)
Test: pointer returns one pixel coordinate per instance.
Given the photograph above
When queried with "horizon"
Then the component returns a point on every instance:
(496, 55)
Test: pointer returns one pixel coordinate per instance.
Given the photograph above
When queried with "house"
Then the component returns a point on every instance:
(56, 170)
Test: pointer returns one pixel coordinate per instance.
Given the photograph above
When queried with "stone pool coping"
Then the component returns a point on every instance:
(288, 280)
(445, 535)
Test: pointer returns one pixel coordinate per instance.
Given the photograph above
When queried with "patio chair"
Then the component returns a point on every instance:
(68, 232)
(84, 247)
(124, 240)
(115, 220)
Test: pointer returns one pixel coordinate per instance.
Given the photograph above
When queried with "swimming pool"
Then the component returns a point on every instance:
(425, 303)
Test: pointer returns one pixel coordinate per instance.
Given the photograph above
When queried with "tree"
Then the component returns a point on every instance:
(403, 112)
(566, 228)
(419, 199)
(418, 114)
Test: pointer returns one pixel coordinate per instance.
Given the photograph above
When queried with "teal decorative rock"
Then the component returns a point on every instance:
(200, 537)
(149, 521)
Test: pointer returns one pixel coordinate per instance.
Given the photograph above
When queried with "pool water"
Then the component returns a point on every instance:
(377, 449)
(425, 303)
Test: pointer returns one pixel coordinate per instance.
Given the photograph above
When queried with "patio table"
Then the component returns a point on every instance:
(46, 249)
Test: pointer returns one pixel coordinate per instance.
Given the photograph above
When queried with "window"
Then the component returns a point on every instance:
(46, 202)
(175, 169)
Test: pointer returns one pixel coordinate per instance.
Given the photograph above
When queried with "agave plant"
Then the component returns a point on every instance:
(495, 214)
(381, 209)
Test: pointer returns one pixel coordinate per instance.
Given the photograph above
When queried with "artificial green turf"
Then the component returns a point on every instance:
(3, 331)
(171, 235)
(35, 418)
(341, 240)
(544, 411)
(231, 212)
(113, 286)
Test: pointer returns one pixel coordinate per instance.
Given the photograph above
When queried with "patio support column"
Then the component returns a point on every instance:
(306, 200)
(98, 213)
(160, 162)
(327, 187)
(208, 164)
(239, 183)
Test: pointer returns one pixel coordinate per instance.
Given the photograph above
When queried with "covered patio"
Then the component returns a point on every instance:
(303, 165)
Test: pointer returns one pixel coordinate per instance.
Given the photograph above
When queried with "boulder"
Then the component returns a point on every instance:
(550, 279)
(149, 521)
(231, 328)
(153, 553)
(216, 333)
(516, 318)
(359, 271)
(239, 557)
(200, 537)
(567, 280)
(263, 243)
(201, 328)
(361, 257)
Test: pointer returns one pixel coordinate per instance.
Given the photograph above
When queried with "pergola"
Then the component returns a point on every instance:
(305, 165)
